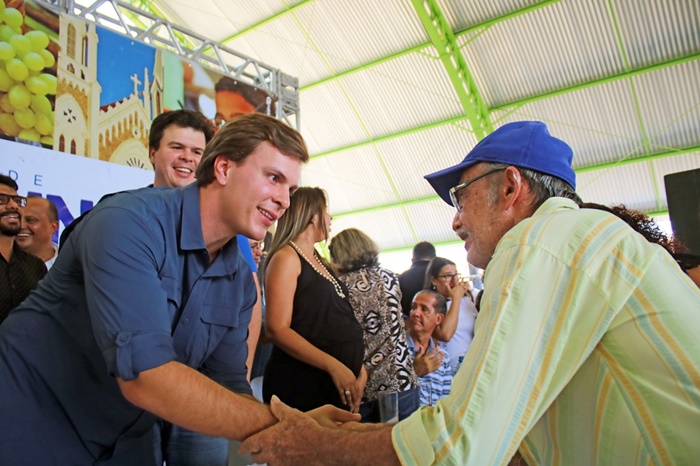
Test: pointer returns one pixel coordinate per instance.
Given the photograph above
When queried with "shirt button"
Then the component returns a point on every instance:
(185, 321)
(122, 339)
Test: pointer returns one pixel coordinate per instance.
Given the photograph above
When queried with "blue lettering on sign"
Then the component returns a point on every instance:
(38, 179)
(13, 174)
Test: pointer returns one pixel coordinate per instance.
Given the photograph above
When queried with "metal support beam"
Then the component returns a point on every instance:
(155, 31)
(421, 46)
(444, 41)
(516, 103)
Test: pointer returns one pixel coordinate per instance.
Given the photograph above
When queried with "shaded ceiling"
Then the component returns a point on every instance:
(391, 90)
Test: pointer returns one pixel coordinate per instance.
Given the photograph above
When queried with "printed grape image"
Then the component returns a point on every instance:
(27, 89)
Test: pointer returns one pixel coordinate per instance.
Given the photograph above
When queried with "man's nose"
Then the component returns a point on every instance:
(282, 198)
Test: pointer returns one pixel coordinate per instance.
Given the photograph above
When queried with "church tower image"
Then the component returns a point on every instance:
(117, 131)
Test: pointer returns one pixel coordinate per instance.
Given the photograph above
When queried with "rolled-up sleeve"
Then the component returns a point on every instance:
(127, 305)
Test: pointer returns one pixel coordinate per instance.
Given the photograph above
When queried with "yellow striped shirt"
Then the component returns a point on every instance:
(586, 351)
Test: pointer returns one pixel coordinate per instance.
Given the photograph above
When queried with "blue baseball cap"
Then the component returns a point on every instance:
(522, 144)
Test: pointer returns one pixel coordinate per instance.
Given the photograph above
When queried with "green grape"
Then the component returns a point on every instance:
(39, 40)
(6, 32)
(6, 82)
(8, 125)
(21, 43)
(25, 118)
(7, 52)
(49, 59)
(13, 17)
(36, 85)
(47, 140)
(41, 104)
(33, 61)
(6, 105)
(29, 134)
(20, 96)
(17, 69)
(51, 82)
(43, 125)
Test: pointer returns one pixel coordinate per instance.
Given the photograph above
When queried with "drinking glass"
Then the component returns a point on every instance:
(388, 407)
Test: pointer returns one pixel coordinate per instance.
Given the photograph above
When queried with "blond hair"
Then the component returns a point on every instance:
(304, 204)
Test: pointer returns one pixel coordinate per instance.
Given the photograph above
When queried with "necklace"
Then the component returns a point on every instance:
(326, 275)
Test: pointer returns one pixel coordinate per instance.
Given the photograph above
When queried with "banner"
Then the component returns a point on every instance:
(73, 183)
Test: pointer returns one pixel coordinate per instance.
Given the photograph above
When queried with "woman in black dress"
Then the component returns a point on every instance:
(318, 353)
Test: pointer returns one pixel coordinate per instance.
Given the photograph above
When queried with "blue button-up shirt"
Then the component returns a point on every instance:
(131, 290)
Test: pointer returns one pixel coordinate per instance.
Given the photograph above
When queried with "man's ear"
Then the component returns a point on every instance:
(54, 226)
(512, 186)
(439, 318)
(152, 156)
(222, 166)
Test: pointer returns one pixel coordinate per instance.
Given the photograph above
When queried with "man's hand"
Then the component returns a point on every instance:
(330, 416)
(297, 440)
(425, 363)
(294, 440)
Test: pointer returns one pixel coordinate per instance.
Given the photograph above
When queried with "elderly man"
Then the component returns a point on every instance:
(39, 223)
(144, 314)
(427, 311)
(586, 348)
(19, 271)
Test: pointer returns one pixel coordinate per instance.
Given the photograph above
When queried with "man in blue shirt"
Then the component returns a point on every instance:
(149, 286)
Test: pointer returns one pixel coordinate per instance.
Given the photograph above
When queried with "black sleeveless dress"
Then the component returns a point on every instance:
(326, 321)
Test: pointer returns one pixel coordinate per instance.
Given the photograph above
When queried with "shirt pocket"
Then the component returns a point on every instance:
(220, 320)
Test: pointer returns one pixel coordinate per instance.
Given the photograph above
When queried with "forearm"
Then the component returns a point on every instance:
(359, 447)
(447, 328)
(189, 399)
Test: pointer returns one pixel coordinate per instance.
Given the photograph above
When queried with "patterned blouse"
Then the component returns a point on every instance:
(375, 298)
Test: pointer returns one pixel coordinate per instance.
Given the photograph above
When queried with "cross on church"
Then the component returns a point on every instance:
(135, 78)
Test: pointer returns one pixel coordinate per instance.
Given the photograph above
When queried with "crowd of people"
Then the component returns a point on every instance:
(140, 344)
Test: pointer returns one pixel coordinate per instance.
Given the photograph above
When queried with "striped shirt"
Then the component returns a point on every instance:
(586, 351)
(433, 385)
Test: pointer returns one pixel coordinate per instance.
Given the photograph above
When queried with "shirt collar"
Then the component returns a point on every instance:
(192, 237)
(554, 204)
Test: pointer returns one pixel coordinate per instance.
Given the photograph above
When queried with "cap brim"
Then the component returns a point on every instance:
(444, 180)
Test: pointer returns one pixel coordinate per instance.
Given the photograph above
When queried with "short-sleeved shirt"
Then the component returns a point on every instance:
(18, 277)
(131, 290)
(586, 351)
(433, 385)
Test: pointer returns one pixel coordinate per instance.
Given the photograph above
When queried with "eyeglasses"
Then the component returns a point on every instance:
(448, 277)
(454, 196)
(257, 245)
(19, 200)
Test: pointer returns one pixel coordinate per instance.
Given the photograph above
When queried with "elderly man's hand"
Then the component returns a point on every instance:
(294, 440)
(425, 363)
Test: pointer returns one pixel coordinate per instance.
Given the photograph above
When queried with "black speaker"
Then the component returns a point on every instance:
(683, 197)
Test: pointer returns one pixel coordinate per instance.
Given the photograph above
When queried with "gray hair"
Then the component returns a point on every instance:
(542, 186)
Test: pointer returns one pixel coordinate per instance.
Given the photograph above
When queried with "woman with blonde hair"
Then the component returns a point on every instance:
(375, 297)
(318, 353)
